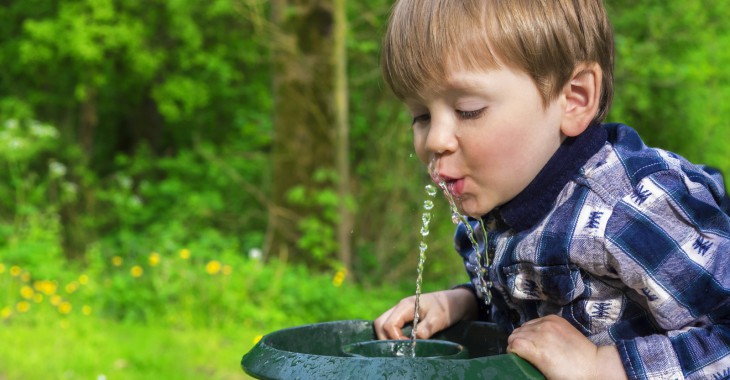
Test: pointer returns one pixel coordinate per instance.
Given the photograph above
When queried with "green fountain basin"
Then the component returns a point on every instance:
(432, 348)
(320, 351)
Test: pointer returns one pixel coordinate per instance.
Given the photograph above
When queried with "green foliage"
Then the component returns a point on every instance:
(671, 80)
(319, 230)
(147, 128)
(135, 172)
(185, 287)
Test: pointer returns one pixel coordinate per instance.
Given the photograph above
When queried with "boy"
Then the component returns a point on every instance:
(606, 256)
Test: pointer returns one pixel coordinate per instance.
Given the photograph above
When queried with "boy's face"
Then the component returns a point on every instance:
(490, 134)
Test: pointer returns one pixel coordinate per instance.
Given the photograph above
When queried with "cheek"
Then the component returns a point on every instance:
(419, 145)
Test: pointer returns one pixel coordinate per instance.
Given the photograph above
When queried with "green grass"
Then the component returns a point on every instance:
(163, 314)
(95, 349)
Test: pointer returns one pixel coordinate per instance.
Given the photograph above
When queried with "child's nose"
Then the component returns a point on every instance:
(441, 138)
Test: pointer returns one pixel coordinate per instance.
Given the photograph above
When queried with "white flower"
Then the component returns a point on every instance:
(57, 169)
(255, 254)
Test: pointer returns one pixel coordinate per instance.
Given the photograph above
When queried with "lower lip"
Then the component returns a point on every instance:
(456, 188)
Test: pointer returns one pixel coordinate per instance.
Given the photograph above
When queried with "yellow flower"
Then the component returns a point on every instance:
(227, 270)
(339, 278)
(56, 300)
(65, 307)
(213, 267)
(86, 310)
(83, 279)
(117, 261)
(136, 271)
(47, 287)
(257, 339)
(184, 253)
(154, 259)
(6, 312)
(22, 306)
(71, 287)
(15, 271)
(26, 292)
(38, 298)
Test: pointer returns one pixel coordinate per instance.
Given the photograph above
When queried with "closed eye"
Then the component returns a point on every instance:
(421, 118)
(468, 115)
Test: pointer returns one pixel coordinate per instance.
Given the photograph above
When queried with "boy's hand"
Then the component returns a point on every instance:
(439, 310)
(560, 351)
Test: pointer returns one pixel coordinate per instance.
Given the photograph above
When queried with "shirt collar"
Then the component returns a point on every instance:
(536, 200)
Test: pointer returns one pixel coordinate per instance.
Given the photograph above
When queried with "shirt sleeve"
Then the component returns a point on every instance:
(669, 241)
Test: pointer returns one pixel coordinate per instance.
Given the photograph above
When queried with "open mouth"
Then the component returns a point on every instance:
(454, 186)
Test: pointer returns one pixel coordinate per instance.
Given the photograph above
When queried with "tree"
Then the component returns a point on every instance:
(310, 145)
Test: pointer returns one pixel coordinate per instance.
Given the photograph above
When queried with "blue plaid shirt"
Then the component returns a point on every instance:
(628, 243)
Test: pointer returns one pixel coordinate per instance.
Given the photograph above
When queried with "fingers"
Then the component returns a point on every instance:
(436, 313)
(556, 348)
(390, 323)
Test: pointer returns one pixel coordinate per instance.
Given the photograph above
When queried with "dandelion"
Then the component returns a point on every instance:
(6, 312)
(86, 310)
(339, 278)
(27, 292)
(213, 267)
(65, 307)
(46, 287)
(15, 271)
(154, 259)
(184, 253)
(83, 279)
(71, 287)
(117, 261)
(56, 300)
(227, 270)
(136, 271)
(257, 338)
(22, 306)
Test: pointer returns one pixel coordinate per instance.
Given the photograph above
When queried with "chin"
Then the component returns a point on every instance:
(473, 209)
(474, 212)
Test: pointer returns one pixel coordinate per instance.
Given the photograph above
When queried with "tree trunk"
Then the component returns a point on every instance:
(308, 88)
(344, 227)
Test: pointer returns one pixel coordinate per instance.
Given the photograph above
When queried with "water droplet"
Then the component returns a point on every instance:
(431, 190)
(424, 231)
(423, 247)
(427, 204)
(426, 218)
(455, 218)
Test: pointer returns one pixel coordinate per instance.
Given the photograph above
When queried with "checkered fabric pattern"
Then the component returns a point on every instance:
(633, 250)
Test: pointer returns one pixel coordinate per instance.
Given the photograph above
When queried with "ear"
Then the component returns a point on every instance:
(582, 98)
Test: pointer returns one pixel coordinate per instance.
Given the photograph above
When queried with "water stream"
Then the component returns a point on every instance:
(482, 259)
(422, 247)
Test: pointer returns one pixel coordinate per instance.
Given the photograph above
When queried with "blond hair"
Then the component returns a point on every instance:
(546, 39)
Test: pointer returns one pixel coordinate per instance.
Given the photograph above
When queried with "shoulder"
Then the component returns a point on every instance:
(627, 167)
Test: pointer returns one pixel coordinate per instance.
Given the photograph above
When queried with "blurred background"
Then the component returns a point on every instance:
(180, 177)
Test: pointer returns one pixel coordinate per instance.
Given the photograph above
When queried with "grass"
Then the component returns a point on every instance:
(172, 314)
(102, 349)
